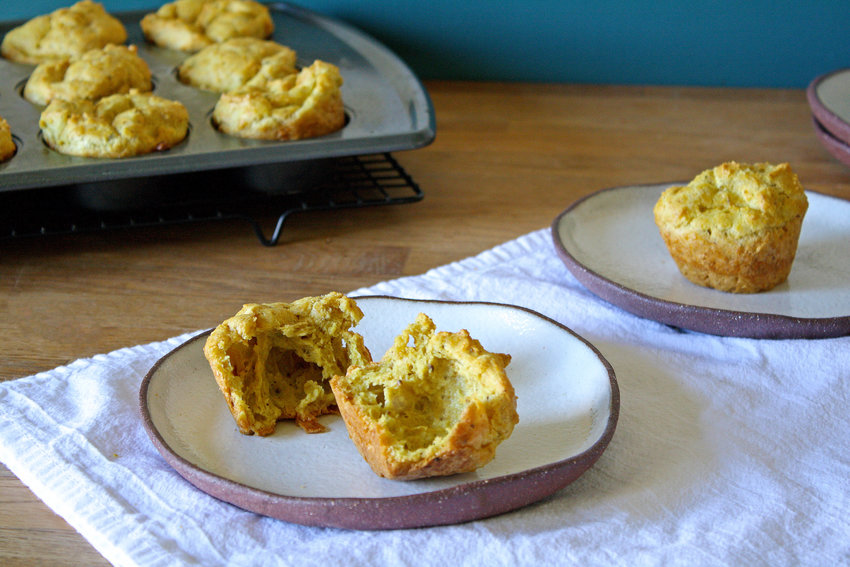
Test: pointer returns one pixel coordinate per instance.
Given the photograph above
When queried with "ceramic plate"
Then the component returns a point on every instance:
(833, 145)
(568, 403)
(609, 241)
(829, 99)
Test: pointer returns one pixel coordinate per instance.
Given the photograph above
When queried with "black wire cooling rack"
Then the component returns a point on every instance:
(251, 193)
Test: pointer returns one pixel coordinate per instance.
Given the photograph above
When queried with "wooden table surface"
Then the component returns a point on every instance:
(507, 159)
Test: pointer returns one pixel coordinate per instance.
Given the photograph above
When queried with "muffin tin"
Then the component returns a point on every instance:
(387, 109)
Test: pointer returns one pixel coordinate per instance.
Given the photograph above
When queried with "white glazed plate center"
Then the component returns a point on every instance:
(563, 387)
(613, 234)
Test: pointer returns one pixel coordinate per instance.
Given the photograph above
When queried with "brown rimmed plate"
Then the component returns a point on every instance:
(610, 243)
(568, 403)
(833, 145)
(829, 99)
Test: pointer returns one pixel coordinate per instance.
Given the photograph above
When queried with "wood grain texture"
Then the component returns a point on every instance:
(507, 159)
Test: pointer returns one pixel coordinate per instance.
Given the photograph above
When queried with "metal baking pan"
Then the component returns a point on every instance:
(387, 109)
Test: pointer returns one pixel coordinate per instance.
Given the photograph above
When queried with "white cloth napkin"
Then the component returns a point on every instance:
(728, 452)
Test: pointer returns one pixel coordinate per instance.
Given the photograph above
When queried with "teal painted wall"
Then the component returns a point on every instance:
(758, 43)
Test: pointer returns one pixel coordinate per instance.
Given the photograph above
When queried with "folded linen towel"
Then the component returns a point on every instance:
(728, 451)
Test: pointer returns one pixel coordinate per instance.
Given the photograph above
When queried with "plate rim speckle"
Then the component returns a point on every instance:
(460, 503)
(703, 319)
